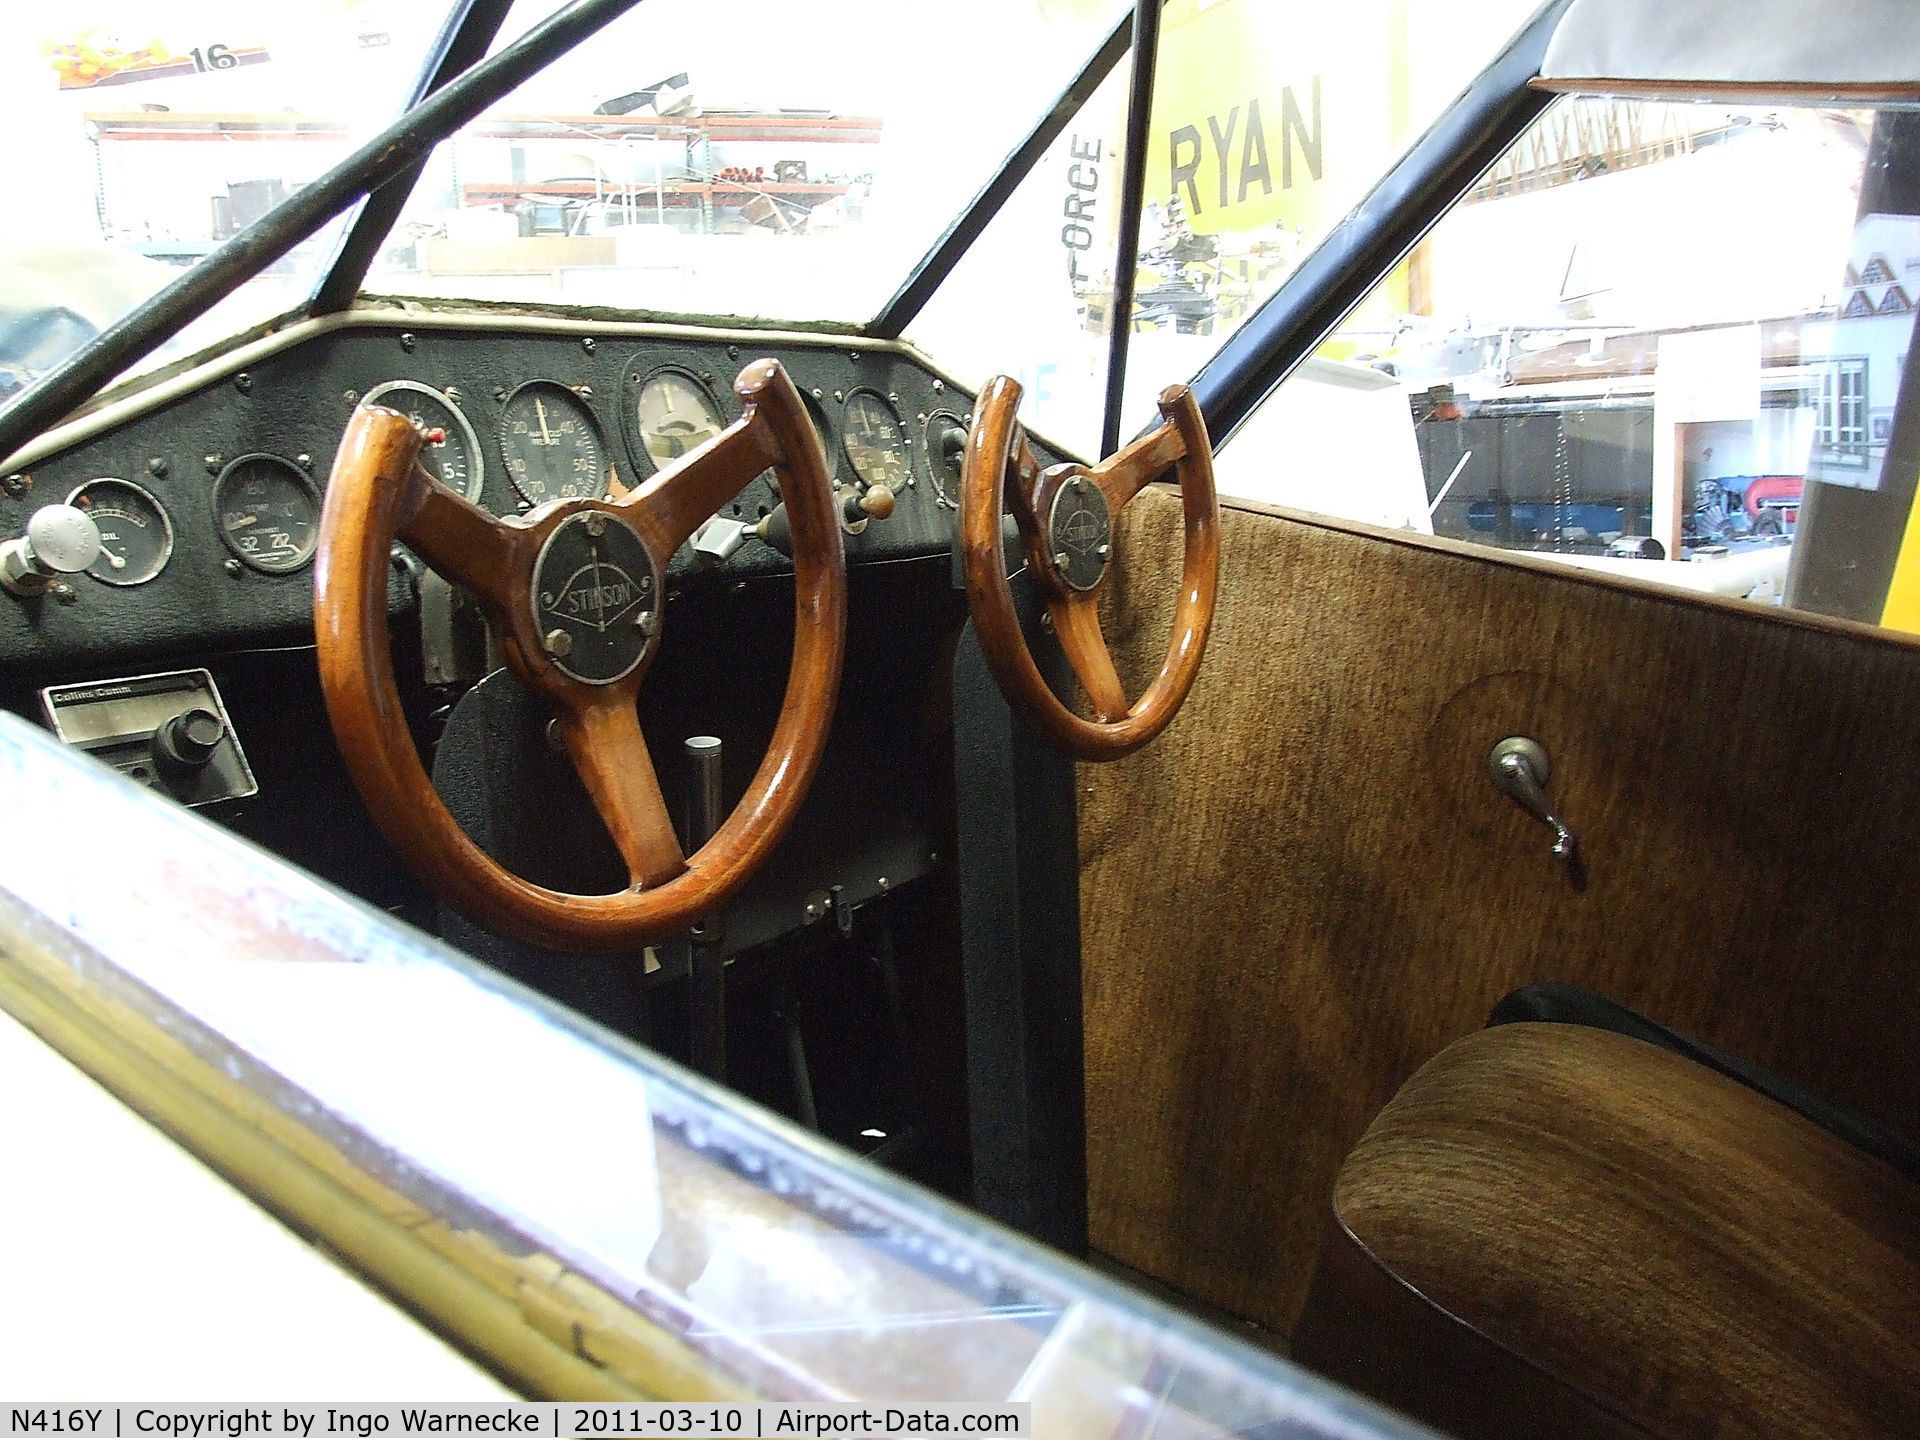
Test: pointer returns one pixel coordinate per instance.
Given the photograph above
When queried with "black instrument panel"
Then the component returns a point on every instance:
(233, 464)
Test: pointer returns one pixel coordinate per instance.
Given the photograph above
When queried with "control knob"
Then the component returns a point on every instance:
(188, 741)
(60, 540)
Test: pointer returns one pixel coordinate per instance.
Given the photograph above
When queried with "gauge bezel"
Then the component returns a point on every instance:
(166, 521)
(846, 428)
(572, 395)
(640, 372)
(252, 562)
(816, 408)
(928, 428)
(475, 482)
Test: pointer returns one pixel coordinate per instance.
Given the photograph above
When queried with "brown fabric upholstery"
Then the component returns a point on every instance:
(1668, 1249)
(1307, 887)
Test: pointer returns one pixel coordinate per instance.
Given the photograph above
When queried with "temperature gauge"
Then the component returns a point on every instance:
(267, 512)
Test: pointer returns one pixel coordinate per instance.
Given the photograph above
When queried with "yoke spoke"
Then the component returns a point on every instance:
(1129, 470)
(1076, 621)
(681, 498)
(459, 539)
(603, 739)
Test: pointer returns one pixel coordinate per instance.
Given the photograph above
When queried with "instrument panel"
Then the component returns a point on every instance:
(207, 490)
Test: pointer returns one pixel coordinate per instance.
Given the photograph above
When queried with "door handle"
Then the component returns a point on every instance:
(1519, 768)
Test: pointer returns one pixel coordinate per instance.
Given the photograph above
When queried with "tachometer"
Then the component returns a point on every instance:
(136, 537)
(875, 441)
(675, 414)
(552, 444)
(452, 452)
(267, 512)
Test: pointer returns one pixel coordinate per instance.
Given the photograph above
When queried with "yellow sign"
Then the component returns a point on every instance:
(1265, 116)
(1902, 610)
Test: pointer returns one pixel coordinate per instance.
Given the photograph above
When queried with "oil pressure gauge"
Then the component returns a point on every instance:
(136, 537)
(267, 512)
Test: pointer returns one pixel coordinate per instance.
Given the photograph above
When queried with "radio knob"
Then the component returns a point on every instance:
(189, 739)
(60, 540)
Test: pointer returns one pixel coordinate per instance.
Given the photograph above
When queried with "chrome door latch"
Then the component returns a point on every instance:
(1519, 768)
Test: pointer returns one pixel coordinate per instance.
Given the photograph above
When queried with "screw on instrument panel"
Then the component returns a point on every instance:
(854, 356)
(499, 392)
(1060, 559)
(883, 885)
(1046, 621)
(585, 392)
(816, 393)
(893, 398)
(17, 485)
(408, 341)
(305, 462)
(586, 344)
(243, 382)
(643, 621)
(213, 464)
(157, 467)
(938, 386)
(352, 397)
(63, 592)
(707, 375)
(1104, 551)
(733, 352)
(453, 395)
(596, 524)
(232, 567)
(557, 642)
(839, 395)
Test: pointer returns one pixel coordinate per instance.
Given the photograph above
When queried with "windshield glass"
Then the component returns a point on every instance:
(146, 134)
(765, 159)
(1269, 123)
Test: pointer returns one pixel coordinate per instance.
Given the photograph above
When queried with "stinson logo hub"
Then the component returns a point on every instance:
(595, 597)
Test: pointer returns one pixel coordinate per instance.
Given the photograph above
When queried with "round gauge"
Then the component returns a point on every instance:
(267, 512)
(946, 440)
(675, 413)
(136, 537)
(876, 442)
(551, 445)
(452, 452)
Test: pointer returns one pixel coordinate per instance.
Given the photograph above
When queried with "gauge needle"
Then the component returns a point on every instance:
(118, 562)
(541, 411)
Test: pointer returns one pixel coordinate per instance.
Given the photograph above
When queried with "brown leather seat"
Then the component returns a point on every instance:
(1557, 1230)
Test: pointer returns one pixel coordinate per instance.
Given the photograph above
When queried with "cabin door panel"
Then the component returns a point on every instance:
(1308, 885)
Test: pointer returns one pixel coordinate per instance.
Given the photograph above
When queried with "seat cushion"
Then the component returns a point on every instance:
(1587, 1220)
(1571, 1005)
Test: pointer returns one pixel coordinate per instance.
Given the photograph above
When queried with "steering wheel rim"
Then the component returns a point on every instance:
(519, 571)
(1065, 519)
